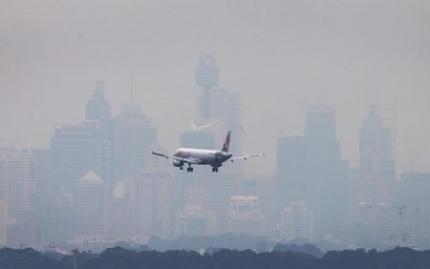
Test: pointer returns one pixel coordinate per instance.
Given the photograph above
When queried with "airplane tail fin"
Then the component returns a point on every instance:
(226, 145)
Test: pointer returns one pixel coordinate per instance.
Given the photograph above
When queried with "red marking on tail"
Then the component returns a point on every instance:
(226, 145)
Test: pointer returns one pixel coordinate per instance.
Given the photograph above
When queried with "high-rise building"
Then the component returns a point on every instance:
(76, 150)
(133, 135)
(377, 165)
(17, 185)
(226, 107)
(297, 222)
(246, 216)
(327, 176)
(413, 190)
(152, 198)
(206, 74)
(291, 169)
(221, 187)
(206, 71)
(119, 212)
(310, 169)
(196, 219)
(197, 139)
(223, 106)
(90, 205)
(383, 225)
(98, 108)
(216, 103)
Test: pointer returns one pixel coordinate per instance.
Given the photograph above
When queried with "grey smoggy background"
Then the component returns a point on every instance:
(281, 56)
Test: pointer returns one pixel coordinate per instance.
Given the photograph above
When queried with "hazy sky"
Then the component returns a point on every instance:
(279, 55)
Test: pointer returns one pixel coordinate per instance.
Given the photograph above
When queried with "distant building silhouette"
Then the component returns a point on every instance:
(119, 226)
(17, 188)
(297, 222)
(17, 185)
(310, 169)
(384, 225)
(413, 191)
(377, 164)
(197, 139)
(226, 107)
(98, 108)
(78, 149)
(196, 219)
(152, 198)
(206, 74)
(132, 138)
(90, 205)
(327, 174)
(246, 216)
(291, 169)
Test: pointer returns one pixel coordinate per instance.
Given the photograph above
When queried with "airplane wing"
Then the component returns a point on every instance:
(185, 160)
(246, 157)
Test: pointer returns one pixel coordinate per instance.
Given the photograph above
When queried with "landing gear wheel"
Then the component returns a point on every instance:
(181, 168)
(215, 169)
(190, 169)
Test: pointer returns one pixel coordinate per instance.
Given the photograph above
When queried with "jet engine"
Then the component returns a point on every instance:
(177, 163)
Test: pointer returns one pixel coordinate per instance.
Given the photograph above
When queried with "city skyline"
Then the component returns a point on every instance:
(97, 180)
(346, 54)
(334, 93)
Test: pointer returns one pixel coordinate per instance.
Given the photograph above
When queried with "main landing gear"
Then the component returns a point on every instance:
(190, 169)
(215, 169)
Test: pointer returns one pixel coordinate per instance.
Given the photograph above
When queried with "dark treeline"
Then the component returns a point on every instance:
(180, 259)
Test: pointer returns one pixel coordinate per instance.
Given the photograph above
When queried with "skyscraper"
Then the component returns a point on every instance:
(297, 222)
(291, 169)
(226, 107)
(44, 180)
(196, 219)
(327, 175)
(377, 164)
(133, 135)
(223, 106)
(90, 205)
(17, 185)
(119, 212)
(78, 149)
(98, 108)
(206, 74)
(310, 169)
(152, 202)
(197, 139)
(246, 216)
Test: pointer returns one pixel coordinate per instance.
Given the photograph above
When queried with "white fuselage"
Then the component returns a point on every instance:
(203, 156)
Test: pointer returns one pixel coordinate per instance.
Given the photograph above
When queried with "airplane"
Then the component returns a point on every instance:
(214, 158)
